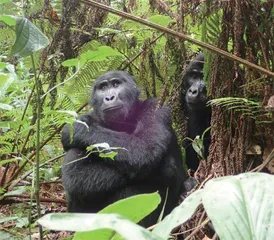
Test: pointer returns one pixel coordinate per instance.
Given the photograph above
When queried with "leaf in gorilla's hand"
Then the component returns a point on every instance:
(110, 155)
(104, 150)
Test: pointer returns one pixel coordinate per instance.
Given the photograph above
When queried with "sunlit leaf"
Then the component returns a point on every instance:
(134, 208)
(3, 65)
(243, 206)
(3, 162)
(7, 20)
(110, 155)
(5, 106)
(29, 38)
(179, 215)
(160, 20)
(88, 222)
(101, 54)
(71, 62)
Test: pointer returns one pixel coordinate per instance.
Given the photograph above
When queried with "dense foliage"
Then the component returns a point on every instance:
(51, 52)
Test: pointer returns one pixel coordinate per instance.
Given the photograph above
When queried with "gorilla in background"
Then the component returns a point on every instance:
(152, 161)
(194, 99)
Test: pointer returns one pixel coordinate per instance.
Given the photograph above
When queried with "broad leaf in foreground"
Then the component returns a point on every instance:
(134, 208)
(179, 215)
(88, 222)
(242, 206)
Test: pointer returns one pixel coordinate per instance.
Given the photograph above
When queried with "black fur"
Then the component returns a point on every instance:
(152, 161)
(194, 99)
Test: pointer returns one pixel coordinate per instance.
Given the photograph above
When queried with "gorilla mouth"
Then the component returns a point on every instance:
(112, 108)
(195, 101)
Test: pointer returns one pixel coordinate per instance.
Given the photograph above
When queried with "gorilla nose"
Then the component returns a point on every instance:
(193, 91)
(109, 98)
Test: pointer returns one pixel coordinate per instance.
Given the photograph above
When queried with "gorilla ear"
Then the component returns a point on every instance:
(91, 99)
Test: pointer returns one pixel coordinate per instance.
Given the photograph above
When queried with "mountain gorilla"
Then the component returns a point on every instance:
(194, 99)
(150, 162)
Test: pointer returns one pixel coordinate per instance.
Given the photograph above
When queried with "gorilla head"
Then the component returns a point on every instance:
(194, 89)
(114, 95)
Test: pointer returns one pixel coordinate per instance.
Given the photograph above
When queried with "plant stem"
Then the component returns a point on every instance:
(38, 109)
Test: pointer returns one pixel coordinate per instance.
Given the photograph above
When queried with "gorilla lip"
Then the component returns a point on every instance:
(112, 108)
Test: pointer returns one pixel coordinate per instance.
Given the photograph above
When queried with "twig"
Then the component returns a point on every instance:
(28, 199)
(197, 229)
(128, 62)
(262, 166)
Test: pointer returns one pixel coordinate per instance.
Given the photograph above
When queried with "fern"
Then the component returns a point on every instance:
(245, 106)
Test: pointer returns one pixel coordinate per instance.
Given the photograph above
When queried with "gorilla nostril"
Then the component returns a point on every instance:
(109, 98)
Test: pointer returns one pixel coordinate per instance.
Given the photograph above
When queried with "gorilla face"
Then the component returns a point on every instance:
(114, 94)
(194, 88)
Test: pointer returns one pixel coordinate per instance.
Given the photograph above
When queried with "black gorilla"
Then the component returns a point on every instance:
(152, 159)
(194, 99)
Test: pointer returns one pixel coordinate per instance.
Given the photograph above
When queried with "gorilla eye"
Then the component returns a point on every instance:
(103, 87)
(116, 83)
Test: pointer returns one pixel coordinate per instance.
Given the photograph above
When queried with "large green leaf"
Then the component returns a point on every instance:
(29, 38)
(7, 20)
(101, 54)
(88, 222)
(160, 20)
(134, 208)
(179, 215)
(241, 207)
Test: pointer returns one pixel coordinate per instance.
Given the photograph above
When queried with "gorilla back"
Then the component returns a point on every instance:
(151, 161)
(194, 99)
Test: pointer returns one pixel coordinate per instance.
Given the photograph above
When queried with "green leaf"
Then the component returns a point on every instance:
(243, 206)
(3, 162)
(19, 190)
(104, 150)
(29, 38)
(160, 20)
(134, 208)
(74, 62)
(198, 145)
(87, 222)
(3, 80)
(110, 155)
(101, 54)
(105, 31)
(5, 106)
(3, 65)
(7, 219)
(4, 1)
(7, 20)
(179, 215)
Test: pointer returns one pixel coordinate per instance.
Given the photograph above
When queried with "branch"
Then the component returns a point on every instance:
(179, 35)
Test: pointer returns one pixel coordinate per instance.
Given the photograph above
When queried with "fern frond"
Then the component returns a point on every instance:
(247, 107)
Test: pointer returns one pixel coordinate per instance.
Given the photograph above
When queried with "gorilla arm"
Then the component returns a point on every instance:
(146, 146)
